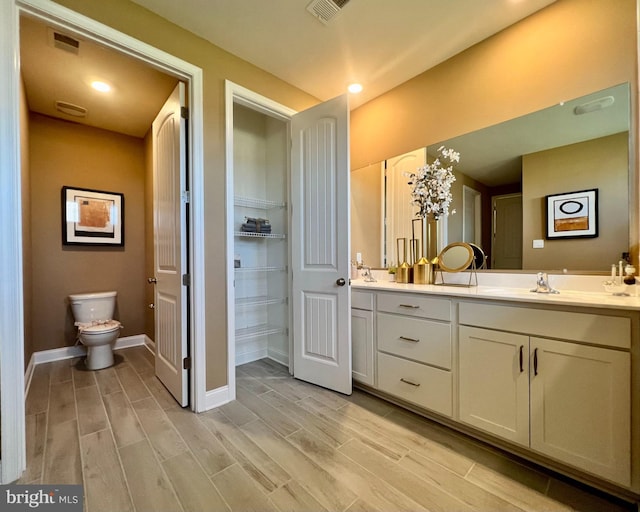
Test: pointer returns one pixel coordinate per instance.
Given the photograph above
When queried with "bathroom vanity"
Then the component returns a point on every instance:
(552, 378)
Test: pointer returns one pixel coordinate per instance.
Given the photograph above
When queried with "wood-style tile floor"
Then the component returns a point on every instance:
(283, 445)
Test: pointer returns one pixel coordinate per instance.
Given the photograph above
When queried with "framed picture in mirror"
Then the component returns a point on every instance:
(572, 214)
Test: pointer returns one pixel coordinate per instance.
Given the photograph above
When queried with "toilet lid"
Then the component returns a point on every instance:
(99, 327)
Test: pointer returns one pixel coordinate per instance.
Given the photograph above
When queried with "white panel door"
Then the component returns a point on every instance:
(169, 180)
(400, 211)
(580, 406)
(320, 245)
(494, 382)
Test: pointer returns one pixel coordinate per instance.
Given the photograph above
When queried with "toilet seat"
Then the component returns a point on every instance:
(102, 327)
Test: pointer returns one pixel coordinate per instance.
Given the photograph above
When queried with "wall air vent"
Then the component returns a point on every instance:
(71, 109)
(325, 10)
(65, 42)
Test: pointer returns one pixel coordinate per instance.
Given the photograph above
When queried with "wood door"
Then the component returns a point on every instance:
(494, 382)
(580, 406)
(169, 180)
(320, 245)
(506, 251)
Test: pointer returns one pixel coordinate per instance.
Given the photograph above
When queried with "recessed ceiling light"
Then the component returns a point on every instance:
(354, 88)
(101, 86)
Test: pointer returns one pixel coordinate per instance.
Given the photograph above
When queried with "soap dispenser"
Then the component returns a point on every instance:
(629, 280)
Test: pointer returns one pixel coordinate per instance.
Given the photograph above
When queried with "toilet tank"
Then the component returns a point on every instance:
(89, 307)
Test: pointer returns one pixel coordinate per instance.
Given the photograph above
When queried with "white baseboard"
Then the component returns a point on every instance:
(150, 344)
(217, 397)
(28, 375)
(247, 357)
(278, 356)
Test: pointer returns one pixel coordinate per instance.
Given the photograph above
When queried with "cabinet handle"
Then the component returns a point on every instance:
(409, 382)
(535, 361)
(409, 339)
(410, 306)
(521, 358)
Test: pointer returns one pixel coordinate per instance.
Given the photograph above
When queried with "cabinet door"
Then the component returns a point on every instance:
(494, 386)
(362, 346)
(580, 406)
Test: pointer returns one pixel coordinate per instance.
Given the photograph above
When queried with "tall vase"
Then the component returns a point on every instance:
(422, 267)
(403, 274)
(431, 236)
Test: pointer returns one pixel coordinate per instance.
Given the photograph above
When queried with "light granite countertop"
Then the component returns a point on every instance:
(498, 291)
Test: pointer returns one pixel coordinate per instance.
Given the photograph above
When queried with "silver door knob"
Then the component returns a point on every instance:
(152, 280)
(152, 306)
(341, 282)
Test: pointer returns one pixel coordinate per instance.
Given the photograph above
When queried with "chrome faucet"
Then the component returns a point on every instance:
(366, 274)
(542, 284)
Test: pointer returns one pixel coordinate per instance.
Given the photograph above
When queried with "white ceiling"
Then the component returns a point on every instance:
(379, 43)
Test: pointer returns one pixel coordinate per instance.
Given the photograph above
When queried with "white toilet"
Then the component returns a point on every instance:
(93, 313)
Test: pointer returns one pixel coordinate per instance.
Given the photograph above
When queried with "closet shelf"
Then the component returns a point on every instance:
(260, 301)
(258, 331)
(261, 204)
(249, 234)
(243, 270)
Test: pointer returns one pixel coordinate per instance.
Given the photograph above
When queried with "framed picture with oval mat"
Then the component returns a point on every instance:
(572, 214)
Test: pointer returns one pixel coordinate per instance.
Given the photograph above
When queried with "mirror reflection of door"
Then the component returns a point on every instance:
(471, 216)
(506, 249)
(399, 210)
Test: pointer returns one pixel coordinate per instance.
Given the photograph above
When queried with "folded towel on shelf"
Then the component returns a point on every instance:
(253, 225)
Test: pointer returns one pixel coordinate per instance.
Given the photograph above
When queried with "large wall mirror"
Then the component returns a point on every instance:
(504, 175)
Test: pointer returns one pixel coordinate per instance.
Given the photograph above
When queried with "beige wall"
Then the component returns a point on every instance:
(601, 163)
(26, 222)
(63, 153)
(571, 48)
(217, 65)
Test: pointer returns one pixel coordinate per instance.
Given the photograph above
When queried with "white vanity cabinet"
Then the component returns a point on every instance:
(414, 350)
(565, 398)
(362, 340)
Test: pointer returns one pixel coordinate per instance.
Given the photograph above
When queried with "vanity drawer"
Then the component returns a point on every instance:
(414, 338)
(362, 300)
(415, 305)
(422, 385)
(611, 331)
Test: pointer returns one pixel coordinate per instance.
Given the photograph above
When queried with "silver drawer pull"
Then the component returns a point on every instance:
(409, 339)
(409, 382)
(410, 306)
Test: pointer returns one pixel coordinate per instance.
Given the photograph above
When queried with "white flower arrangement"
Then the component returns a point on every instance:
(431, 185)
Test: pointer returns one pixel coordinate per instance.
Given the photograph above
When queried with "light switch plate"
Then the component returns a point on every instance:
(538, 244)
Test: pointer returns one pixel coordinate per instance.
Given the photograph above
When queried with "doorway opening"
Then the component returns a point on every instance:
(12, 403)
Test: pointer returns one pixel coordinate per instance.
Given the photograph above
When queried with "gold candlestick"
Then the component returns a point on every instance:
(402, 272)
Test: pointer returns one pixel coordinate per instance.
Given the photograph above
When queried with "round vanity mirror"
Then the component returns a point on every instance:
(479, 256)
(456, 257)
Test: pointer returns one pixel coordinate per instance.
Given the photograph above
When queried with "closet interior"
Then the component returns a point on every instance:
(261, 248)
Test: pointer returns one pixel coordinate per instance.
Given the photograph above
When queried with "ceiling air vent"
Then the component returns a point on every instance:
(71, 109)
(65, 42)
(325, 10)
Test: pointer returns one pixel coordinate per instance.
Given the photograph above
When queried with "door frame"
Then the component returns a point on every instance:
(12, 398)
(235, 93)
